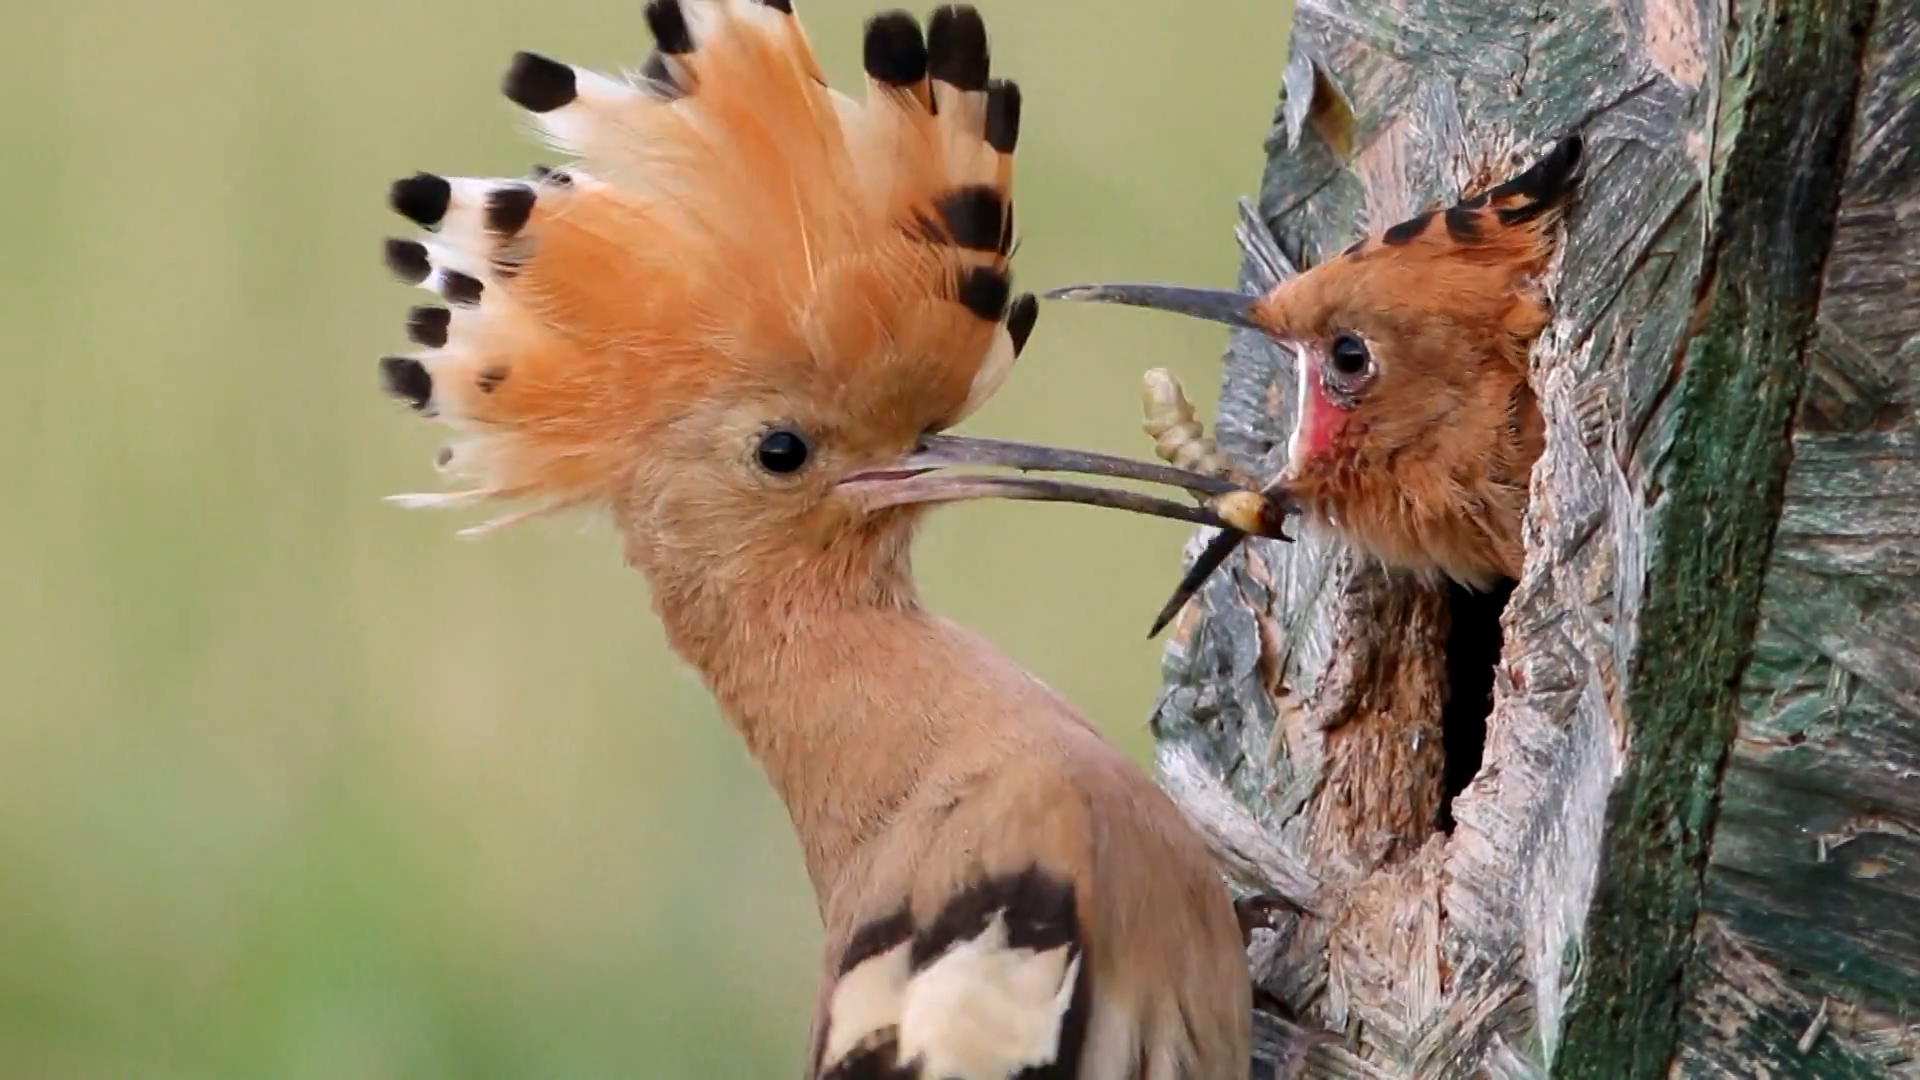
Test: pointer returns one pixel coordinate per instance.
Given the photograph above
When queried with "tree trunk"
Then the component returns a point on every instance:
(1690, 844)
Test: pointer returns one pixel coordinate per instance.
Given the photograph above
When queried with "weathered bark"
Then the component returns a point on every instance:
(1693, 845)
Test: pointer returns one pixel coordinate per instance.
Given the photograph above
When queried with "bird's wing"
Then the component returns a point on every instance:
(1058, 920)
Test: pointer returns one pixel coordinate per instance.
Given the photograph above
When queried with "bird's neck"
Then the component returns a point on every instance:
(838, 680)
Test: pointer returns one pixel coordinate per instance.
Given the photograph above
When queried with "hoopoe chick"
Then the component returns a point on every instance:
(741, 319)
(1417, 429)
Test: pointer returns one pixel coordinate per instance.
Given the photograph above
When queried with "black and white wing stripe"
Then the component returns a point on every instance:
(995, 987)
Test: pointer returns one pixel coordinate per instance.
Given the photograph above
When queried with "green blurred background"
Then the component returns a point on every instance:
(296, 784)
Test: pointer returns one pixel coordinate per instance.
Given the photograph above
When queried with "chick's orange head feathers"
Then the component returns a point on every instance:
(742, 269)
(1417, 429)
(1393, 332)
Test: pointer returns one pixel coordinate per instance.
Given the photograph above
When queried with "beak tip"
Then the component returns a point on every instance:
(1227, 306)
(1174, 606)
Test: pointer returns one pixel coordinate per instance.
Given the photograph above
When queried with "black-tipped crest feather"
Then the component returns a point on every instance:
(1407, 231)
(407, 379)
(421, 198)
(538, 84)
(957, 52)
(668, 22)
(1536, 191)
(973, 217)
(427, 325)
(508, 209)
(985, 292)
(1024, 312)
(1003, 115)
(1542, 187)
(1463, 225)
(461, 290)
(895, 50)
(408, 260)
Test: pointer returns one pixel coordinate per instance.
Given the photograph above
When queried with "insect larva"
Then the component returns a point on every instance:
(1179, 438)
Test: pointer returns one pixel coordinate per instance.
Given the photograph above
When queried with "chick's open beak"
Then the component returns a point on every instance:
(919, 478)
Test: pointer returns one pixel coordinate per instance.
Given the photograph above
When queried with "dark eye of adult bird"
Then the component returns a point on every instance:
(782, 452)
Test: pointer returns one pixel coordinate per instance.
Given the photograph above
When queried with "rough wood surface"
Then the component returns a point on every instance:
(1560, 924)
(1815, 874)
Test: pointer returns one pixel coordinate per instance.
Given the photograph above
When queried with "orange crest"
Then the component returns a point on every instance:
(1475, 261)
(727, 217)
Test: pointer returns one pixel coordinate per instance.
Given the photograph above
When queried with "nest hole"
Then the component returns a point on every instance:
(1473, 652)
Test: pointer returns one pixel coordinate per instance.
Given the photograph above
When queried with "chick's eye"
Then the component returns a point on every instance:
(1349, 355)
(782, 451)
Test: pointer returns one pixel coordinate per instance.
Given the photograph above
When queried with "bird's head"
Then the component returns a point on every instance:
(1416, 426)
(747, 313)
(1395, 339)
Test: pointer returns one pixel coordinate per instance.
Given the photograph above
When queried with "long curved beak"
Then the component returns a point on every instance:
(1214, 305)
(920, 478)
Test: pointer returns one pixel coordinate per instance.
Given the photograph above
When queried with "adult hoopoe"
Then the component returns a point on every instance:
(741, 319)
(1417, 430)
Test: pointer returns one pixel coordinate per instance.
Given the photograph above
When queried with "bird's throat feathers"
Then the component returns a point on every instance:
(733, 614)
